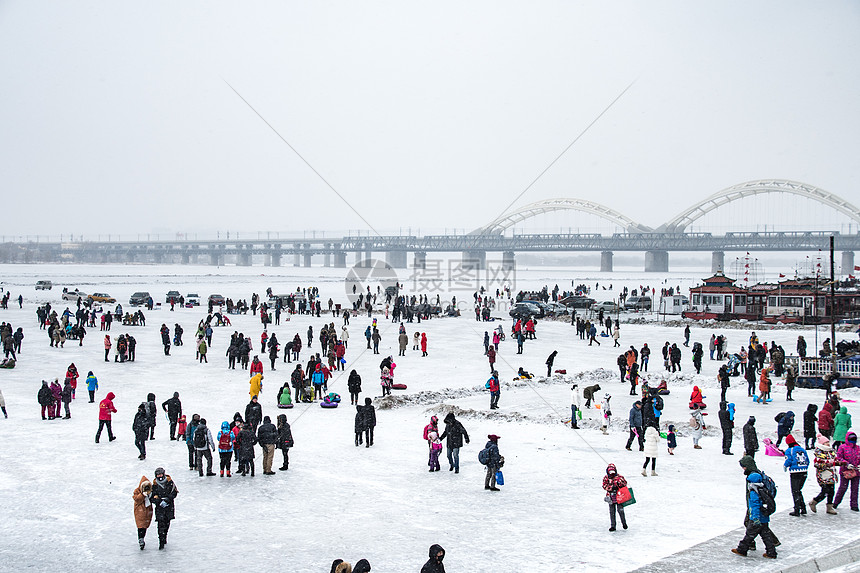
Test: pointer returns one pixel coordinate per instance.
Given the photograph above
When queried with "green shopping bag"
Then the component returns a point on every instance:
(630, 501)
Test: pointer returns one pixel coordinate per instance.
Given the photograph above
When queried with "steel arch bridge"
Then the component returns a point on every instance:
(752, 188)
(501, 224)
(681, 221)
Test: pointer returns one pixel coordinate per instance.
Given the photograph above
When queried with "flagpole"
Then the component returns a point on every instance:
(832, 309)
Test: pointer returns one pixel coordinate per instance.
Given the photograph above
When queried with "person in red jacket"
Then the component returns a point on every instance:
(825, 420)
(491, 356)
(423, 344)
(105, 410)
(612, 482)
(256, 366)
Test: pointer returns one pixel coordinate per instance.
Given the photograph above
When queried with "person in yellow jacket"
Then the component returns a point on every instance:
(256, 385)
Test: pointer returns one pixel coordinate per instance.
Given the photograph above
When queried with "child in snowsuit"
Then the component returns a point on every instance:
(670, 440)
(612, 482)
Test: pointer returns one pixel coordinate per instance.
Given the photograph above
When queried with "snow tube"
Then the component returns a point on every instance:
(663, 392)
(285, 406)
(328, 404)
(399, 386)
(697, 405)
(561, 371)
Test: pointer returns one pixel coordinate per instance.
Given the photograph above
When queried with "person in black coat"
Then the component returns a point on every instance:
(809, 419)
(434, 564)
(267, 437)
(367, 421)
(750, 438)
(66, 397)
(163, 498)
(723, 375)
(455, 434)
(354, 386)
(173, 407)
(140, 427)
(253, 414)
(151, 414)
(45, 400)
(636, 426)
(285, 440)
(245, 450)
(549, 362)
(726, 425)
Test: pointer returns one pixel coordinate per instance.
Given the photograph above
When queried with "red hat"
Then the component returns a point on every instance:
(493, 437)
(789, 439)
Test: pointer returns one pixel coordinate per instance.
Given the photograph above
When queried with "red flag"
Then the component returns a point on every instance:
(856, 268)
(850, 276)
(782, 276)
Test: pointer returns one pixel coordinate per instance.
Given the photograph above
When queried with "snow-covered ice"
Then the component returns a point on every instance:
(67, 501)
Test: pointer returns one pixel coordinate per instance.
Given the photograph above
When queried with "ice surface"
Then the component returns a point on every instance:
(67, 501)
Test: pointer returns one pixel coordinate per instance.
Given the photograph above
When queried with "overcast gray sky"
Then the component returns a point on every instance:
(115, 117)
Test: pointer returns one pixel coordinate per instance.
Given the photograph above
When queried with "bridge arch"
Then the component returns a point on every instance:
(501, 224)
(752, 188)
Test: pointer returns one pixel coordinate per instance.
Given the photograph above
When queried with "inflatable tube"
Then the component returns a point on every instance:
(663, 392)
(285, 406)
(399, 386)
(328, 404)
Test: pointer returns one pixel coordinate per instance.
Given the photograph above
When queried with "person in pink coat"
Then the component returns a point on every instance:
(105, 410)
(848, 456)
(107, 347)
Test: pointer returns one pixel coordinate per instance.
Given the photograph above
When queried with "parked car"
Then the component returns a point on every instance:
(102, 297)
(74, 295)
(557, 309)
(139, 298)
(172, 294)
(637, 303)
(44, 285)
(605, 306)
(192, 299)
(577, 301)
(525, 310)
(217, 299)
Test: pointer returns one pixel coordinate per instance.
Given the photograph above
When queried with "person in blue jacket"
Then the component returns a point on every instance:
(784, 426)
(225, 441)
(759, 523)
(797, 465)
(92, 386)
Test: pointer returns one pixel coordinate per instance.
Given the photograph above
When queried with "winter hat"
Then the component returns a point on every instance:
(610, 469)
(493, 437)
(159, 471)
(367, 401)
(268, 420)
(671, 427)
(822, 439)
(433, 419)
(852, 437)
(748, 463)
(789, 439)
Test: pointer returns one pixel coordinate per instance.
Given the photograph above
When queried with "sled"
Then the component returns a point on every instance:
(398, 386)
(328, 404)
(771, 450)
(759, 400)
(561, 371)
(285, 406)
(500, 478)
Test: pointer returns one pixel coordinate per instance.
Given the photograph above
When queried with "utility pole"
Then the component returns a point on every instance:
(832, 309)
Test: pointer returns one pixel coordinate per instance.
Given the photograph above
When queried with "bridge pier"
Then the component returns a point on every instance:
(158, 257)
(718, 261)
(185, 258)
(419, 260)
(474, 260)
(327, 255)
(275, 257)
(129, 256)
(340, 259)
(307, 255)
(847, 262)
(509, 261)
(396, 259)
(606, 262)
(297, 257)
(194, 259)
(243, 258)
(216, 259)
(656, 261)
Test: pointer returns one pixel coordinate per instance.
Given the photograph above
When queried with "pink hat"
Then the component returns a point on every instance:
(822, 439)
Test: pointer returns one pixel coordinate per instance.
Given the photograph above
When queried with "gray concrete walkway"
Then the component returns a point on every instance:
(816, 542)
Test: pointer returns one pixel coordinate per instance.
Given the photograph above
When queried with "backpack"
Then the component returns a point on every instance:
(200, 437)
(484, 456)
(224, 442)
(658, 403)
(767, 494)
(778, 418)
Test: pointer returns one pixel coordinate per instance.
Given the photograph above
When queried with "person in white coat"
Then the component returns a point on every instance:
(575, 398)
(697, 423)
(652, 441)
(344, 336)
(607, 412)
